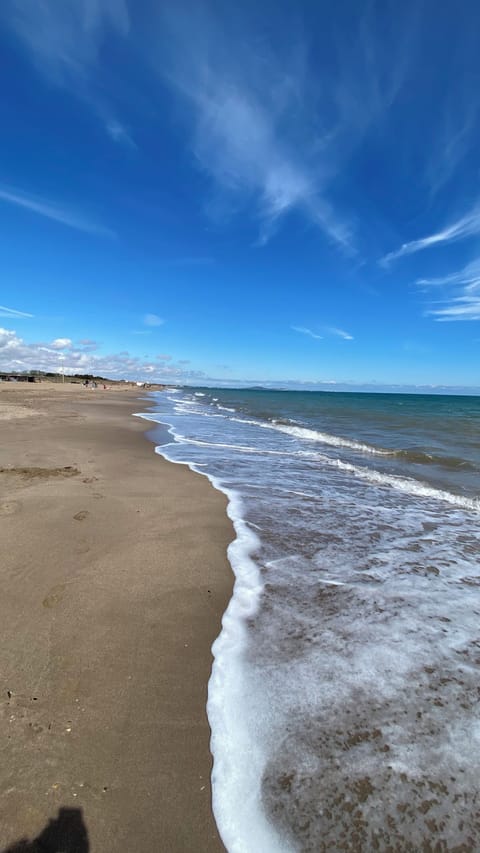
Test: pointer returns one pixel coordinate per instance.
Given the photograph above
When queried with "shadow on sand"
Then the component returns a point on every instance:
(67, 833)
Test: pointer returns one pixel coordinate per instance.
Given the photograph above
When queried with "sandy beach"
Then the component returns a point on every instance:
(114, 580)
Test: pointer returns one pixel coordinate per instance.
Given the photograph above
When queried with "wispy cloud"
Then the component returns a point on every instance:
(340, 333)
(454, 142)
(326, 330)
(453, 134)
(65, 38)
(460, 308)
(153, 320)
(252, 112)
(237, 142)
(52, 210)
(304, 331)
(119, 133)
(64, 41)
(270, 133)
(469, 275)
(461, 293)
(467, 226)
(13, 313)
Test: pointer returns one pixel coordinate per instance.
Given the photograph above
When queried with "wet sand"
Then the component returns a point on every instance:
(114, 580)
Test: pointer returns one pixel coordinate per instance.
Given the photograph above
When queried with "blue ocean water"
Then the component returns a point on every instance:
(344, 694)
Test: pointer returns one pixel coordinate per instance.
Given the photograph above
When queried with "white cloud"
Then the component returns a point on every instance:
(461, 300)
(247, 109)
(119, 133)
(460, 308)
(455, 132)
(8, 339)
(327, 330)
(270, 132)
(13, 314)
(61, 343)
(52, 210)
(64, 40)
(469, 275)
(467, 226)
(153, 320)
(340, 333)
(17, 355)
(308, 332)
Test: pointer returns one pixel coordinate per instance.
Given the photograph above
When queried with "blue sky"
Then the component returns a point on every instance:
(215, 192)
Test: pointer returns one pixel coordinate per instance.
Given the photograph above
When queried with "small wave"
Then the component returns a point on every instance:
(412, 455)
(201, 414)
(284, 421)
(402, 484)
(314, 435)
(199, 394)
(420, 457)
(241, 754)
(225, 409)
(241, 448)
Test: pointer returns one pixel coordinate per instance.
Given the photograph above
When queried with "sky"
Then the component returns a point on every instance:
(231, 192)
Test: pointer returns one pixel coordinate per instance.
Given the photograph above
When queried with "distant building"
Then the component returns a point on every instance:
(18, 377)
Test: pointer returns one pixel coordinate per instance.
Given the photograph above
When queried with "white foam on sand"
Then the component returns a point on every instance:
(239, 759)
(362, 660)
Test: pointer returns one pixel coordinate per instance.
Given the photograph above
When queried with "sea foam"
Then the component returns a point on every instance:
(346, 674)
(239, 760)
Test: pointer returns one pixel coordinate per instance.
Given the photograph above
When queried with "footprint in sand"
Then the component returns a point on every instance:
(80, 516)
(9, 507)
(34, 729)
(55, 596)
(82, 548)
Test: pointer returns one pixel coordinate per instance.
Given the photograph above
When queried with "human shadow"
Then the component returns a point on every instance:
(66, 833)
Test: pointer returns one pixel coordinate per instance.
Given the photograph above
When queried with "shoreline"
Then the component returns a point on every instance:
(115, 582)
(236, 781)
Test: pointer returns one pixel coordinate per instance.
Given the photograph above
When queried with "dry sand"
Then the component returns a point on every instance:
(114, 579)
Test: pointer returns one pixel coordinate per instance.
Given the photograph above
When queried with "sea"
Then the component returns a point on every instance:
(345, 692)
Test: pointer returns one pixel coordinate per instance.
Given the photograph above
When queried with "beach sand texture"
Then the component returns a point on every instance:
(114, 580)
